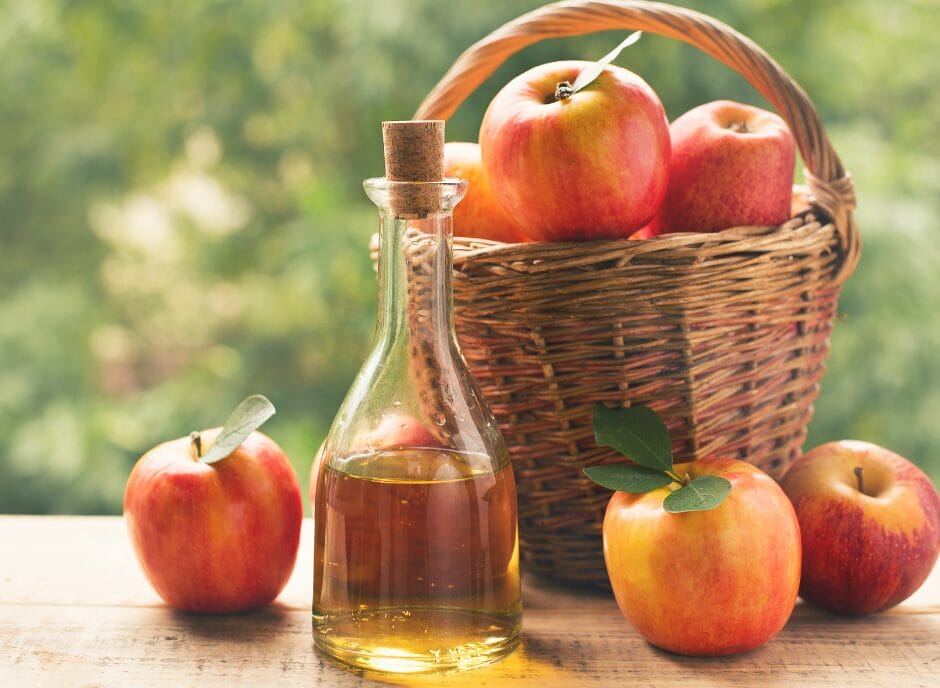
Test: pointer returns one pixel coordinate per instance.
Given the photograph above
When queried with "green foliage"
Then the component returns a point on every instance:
(636, 432)
(181, 221)
(704, 493)
(641, 435)
(625, 477)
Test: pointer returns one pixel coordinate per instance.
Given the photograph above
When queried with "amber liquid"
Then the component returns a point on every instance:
(416, 562)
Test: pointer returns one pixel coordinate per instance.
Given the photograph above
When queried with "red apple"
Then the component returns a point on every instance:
(394, 431)
(399, 430)
(219, 537)
(591, 165)
(711, 582)
(731, 165)
(870, 521)
(479, 214)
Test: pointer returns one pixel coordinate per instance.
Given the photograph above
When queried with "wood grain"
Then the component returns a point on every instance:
(75, 610)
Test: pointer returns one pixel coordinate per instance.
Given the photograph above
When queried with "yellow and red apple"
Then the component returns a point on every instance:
(870, 521)
(706, 583)
(479, 214)
(590, 165)
(220, 537)
(731, 165)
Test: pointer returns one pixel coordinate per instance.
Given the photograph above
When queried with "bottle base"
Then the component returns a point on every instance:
(416, 641)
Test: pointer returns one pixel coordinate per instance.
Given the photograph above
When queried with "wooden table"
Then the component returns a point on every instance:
(75, 610)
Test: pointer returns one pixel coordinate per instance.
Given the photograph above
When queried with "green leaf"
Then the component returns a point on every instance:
(587, 76)
(636, 432)
(247, 417)
(625, 477)
(704, 493)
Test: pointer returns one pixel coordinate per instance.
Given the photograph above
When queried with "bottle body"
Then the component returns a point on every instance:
(418, 573)
(416, 562)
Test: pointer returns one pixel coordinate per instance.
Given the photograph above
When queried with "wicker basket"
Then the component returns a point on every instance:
(725, 334)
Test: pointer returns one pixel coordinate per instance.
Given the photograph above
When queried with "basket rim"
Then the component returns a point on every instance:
(735, 239)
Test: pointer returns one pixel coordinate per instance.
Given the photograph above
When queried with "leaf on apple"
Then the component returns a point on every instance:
(587, 77)
(624, 477)
(704, 493)
(641, 435)
(636, 432)
(247, 417)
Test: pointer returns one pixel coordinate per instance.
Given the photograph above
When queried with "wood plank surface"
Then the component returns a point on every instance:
(75, 610)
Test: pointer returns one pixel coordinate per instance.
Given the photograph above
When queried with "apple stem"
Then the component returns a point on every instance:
(674, 476)
(196, 439)
(563, 90)
(739, 127)
(858, 476)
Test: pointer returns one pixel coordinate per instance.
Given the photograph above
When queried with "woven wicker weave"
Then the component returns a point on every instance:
(725, 334)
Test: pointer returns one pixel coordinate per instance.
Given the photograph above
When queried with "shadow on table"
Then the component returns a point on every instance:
(817, 647)
(240, 627)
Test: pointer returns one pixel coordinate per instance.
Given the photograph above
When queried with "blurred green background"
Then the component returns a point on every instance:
(182, 222)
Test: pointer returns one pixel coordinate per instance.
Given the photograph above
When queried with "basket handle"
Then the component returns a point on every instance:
(829, 184)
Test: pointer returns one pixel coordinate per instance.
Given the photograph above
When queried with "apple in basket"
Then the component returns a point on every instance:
(479, 214)
(731, 165)
(573, 164)
(704, 556)
(870, 521)
(215, 517)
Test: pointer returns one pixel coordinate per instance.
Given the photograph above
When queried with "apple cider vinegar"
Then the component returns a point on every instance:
(416, 554)
(417, 566)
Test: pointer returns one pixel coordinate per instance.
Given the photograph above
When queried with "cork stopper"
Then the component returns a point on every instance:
(414, 152)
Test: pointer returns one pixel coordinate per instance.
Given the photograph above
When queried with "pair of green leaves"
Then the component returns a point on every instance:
(640, 434)
(247, 417)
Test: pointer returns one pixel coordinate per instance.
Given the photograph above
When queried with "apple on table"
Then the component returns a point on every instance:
(870, 522)
(214, 518)
(401, 430)
(393, 432)
(703, 556)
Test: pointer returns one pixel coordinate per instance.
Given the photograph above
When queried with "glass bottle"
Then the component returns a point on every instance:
(416, 563)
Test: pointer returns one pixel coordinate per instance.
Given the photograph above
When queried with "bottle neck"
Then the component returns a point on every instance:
(415, 301)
